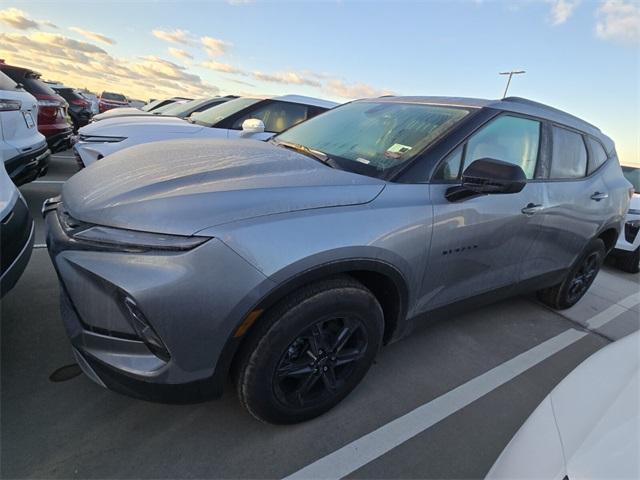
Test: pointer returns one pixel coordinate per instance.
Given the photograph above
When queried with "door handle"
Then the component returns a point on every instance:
(599, 196)
(532, 208)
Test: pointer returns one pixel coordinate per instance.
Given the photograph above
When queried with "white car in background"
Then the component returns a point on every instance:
(16, 234)
(258, 118)
(627, 250)
(23, 149)
(143, 110)
(588, 427)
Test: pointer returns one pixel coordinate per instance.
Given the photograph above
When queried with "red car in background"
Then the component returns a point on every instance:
(52, 108)
(109, 100)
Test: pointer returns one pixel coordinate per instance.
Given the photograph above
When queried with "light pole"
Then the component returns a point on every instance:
(511, 74)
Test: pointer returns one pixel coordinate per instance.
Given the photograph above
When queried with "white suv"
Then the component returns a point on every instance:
(246, 117)
(627, 251)
(23, 149)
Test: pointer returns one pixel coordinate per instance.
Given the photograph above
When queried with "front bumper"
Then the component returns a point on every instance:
(28, 166)
(16, 234)
(60, 140)
(193, 299)
(629, 239)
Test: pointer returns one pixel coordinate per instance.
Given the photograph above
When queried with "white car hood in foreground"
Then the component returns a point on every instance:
(120, 112)
(587, 427)
(136, 126)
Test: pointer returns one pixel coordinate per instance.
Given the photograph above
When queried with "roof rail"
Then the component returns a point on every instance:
(532, 103)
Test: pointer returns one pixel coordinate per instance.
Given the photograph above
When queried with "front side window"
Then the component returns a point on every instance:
(569, 158)
(511, 139)
(598, 155)
(276, 116)
(374, 137)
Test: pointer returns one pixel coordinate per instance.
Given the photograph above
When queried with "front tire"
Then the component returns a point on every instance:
(580, 277)
(310, 351)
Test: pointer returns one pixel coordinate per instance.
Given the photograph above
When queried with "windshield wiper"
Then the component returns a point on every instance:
(309, 152)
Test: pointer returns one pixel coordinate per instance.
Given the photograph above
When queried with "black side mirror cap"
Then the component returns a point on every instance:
(488, 176)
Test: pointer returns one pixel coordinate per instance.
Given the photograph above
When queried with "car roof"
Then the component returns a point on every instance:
(316, 102)
(509, 104)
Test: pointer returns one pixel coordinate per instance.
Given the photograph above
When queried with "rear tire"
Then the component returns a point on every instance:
(629, 261)
(310, 351)
(578, 280)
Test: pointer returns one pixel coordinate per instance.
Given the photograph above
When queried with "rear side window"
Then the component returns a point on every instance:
(6, 83)
(569, 158)
(598, 155)
(30, 81)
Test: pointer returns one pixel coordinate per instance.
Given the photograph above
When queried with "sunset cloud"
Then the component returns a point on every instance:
(355, 90)
(561, 10)
(16, 18)
(619, 21)
(223, 67)
(98, 37)
(175, 36)
(179, 53)
(215, 47)
(83, 64)
(287, 78)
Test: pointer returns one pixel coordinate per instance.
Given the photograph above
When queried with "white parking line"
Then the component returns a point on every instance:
(49, 181)
(358, 453)
(40, 245)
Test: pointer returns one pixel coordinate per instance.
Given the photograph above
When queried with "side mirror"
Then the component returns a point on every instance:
(252, 125)
(488, 176)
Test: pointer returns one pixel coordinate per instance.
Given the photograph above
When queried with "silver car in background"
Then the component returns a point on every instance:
(288, 264)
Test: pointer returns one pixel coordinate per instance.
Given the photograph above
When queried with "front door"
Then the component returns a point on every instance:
(478, 244)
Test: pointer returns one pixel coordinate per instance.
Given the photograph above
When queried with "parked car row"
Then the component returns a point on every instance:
(290, 238)
(222, 117)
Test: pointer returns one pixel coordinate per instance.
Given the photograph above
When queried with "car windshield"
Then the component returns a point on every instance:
(151, 105)
(373, 137)
(114, 96)
(164, 108)
(633, 175)
(213, 115)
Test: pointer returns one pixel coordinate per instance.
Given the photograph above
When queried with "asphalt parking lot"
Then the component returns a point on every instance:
(442, 403)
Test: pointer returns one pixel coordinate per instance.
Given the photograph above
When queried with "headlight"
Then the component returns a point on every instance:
(100, 139)
(137, 241)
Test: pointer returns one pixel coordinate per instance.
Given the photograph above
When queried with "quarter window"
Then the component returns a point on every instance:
(598, 155)
(450, 168)
(569, 158)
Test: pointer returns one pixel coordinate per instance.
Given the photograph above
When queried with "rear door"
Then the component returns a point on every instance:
(576, 202)
(478, 243)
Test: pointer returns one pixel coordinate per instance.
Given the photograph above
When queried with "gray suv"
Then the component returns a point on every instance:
(288, 264)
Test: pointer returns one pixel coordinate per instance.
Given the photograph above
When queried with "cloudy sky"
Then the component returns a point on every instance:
(580, 55)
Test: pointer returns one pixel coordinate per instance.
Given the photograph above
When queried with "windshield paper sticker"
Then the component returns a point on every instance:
(396, 150)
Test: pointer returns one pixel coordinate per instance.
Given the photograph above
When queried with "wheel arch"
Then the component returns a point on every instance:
(384, 280)
(609, 235)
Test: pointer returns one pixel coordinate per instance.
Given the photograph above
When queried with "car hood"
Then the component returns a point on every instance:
(128, 126)
(579, 430)
(183, 186)
(120, 112)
